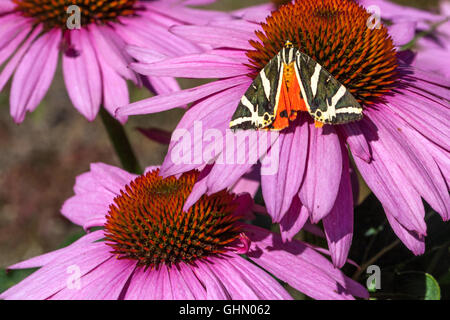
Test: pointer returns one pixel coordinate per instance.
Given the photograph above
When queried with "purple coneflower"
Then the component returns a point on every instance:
(94, 60)
(433, 43)
(150, 248)
(400, 146)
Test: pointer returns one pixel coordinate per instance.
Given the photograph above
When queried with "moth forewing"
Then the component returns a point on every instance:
(258, 105)
(327, 100)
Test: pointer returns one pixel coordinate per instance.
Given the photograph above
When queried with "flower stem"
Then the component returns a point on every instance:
(120, 142)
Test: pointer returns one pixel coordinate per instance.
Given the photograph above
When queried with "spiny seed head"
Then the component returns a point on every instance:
(53, 13)
(147, 222)
(339, 35)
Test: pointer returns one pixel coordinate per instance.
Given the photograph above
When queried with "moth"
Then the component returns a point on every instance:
(290, 83)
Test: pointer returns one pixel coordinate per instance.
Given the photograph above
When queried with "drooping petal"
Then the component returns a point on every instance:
(186, 14)
(389, 184)
(249, 183)
(410, 239)
(115, 91)
(356, 141)
(8, 70)
(11, 47)
(185, 285)
(56, 275)
(193, 66)
(323, 172)
(201, 136)
(176, 99)
(215, 290)
(338, 224)
(111, 50)
(424, 114)
(243, 153)
(245, 281)
(411, 157)
(34, 75)
(47, 258)
(280, 188)
(217, 37)
(106, 282)
(319, 279)
(82, 75)
(294, 220)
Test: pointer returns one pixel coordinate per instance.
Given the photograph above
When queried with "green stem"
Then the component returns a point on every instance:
(120, 142)
(422, 34)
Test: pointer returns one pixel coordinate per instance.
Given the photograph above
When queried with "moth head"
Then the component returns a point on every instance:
(288, 44)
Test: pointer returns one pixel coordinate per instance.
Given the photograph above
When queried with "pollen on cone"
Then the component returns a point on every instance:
(147, 222)
(53, 13)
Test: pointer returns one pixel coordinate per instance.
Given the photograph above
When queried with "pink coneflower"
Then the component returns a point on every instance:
(151, 249)
(433, 45)
(94, 60)
(400, 146)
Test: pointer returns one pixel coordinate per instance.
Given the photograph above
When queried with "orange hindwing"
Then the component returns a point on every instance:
(289, 102)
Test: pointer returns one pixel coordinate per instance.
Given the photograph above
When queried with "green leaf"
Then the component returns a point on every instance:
(417, 285)
(10, 278)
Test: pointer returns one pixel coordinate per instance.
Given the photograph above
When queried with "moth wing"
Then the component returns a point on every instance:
(257, 107)
(327, 100)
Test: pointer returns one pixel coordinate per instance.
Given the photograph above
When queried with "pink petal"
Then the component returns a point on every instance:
(356, 141)
(185, 14)
(82, 75)
(323, 173)
(94, 192)
(410, 239)
(34, 74)
(106, 282)
(338, 224)
(294, 220)
(411, 156)
(47, 258)
(110, 49)
(164, 85)
(193, 143)
(215, 36)
(172, 100)
(115, 91)
(193, 66)
(249, 183)
(389, 184)
(300, 266)
(17, 57)
(245, 281)
(215, 289)
(402, 32)
(11, 46)
(280, 188)
(54, 277)
(140, 32)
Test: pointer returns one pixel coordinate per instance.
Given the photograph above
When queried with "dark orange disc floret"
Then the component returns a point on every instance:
(147, 222)
(339, 35)
(53, 13)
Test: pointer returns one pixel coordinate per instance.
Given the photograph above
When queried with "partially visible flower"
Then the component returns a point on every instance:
(435, 47)
(432, 45)
(400, 147)
(94, 59)
(151, 248)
